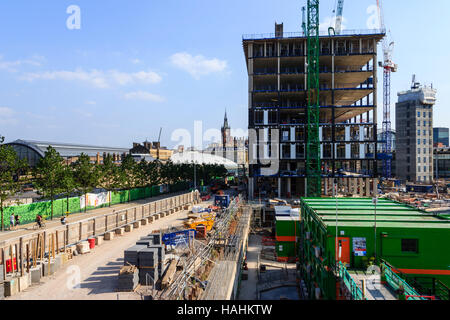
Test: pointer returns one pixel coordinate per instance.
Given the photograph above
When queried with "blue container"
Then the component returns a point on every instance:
(222, 201)
(179, 238)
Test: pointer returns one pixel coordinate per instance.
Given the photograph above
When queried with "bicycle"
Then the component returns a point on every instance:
(36, 225)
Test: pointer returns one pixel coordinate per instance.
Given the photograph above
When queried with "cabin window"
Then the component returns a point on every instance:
(410, 245)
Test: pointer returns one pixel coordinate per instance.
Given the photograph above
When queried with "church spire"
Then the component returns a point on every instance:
(225, 121)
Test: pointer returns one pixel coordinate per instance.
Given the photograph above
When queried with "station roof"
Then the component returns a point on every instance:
(67, 149)
(360, 212)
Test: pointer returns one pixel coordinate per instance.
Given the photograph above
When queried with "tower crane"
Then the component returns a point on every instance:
(388, 67)
(339, 12)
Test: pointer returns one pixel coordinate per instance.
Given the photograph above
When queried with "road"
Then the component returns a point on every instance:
(96, 271)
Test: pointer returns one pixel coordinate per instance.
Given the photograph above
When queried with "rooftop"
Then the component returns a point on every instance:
(68, 149)
(360, 212)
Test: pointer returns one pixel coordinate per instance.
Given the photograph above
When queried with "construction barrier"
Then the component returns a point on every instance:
(29, 212)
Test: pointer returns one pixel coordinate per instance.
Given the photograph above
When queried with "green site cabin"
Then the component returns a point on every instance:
(413, 241)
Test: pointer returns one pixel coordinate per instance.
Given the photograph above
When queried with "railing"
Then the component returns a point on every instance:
(354, 290)
(396, 283)
(68, 235)
(322, 33)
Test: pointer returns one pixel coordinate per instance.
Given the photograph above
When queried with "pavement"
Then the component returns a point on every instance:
(94, 276)
(28, 228)
(248, 290)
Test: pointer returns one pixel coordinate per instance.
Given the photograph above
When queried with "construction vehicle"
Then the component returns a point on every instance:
(205, 219)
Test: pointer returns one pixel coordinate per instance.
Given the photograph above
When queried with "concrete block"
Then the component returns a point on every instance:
(144, 222)
(36, 274)
(58, 262)
(48, 268)
(23, 282)
(83, 247)
(162, 215)
(156, 216)
(11, 287)
(64, 258)
(120, 231)
(98, 240)
(137, 224)
(150, 219)
(109, 236)
(129, 228)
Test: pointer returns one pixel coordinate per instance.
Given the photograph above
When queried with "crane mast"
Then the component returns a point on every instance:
(388, 67)
(313, 162)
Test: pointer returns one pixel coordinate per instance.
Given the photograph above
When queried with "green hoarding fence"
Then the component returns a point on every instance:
(29, 212)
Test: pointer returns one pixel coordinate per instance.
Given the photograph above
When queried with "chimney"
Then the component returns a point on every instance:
(278, 30)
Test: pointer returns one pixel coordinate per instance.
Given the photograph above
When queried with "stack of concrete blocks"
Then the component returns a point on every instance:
(128, 278)
(130, 256)
(148, 266)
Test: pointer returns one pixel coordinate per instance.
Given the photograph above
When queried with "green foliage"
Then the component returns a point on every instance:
(10, 165)
(108, 175)
(86, 175)
(48, 173)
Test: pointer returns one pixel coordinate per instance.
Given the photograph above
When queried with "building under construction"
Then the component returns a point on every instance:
(278, 71)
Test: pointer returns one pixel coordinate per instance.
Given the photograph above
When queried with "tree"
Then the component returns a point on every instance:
(108, 175)
(9, 179)
(48, 173)
(127, 174)
(67, 183)
(86, 176)
(153, 173)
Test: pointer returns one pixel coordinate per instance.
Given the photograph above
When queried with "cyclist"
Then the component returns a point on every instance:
(39, 220)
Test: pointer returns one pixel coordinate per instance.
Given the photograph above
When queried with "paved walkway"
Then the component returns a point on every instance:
(248, 290)
(94, 276)
(374, 289)
(28, 228)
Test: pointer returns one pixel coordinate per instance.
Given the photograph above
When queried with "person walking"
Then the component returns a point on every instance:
(11, 221)
(17, 221)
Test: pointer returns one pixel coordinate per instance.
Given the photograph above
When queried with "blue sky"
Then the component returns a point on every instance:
(138, 65)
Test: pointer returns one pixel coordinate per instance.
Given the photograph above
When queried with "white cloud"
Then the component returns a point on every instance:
(97, 78)
(135, 61)
(142, 95)
(198, 65)
(12, 66)
(92, 103)
(7, 116)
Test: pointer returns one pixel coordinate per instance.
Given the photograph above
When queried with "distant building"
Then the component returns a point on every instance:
(441, 135)
(33, 151)
(151, 148)
(442, 163)
(414, 136)
(232, 148)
